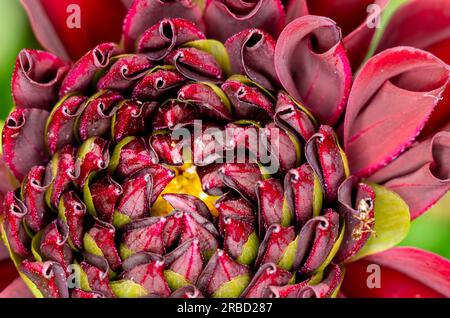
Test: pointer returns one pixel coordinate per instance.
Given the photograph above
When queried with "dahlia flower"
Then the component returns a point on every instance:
(121, 174)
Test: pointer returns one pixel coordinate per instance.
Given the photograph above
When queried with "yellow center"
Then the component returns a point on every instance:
(186, 181)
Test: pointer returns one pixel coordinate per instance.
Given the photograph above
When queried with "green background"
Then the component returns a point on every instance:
(431, 231)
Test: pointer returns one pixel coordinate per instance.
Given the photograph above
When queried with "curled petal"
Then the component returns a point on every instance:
(103, 236)
(212, 182)
(158, 84)
(72, 211)
(145, 13)
(252, 54)
(240, 239)
(188, 203)
(187, 292)
(82, 74)
(168, 34)
(271, 208)
(79, 293)
(396, 103)
(49, 277)
(333, 277)
(357, 208)
(54, 244)
(92, 157)
(23, 142)
(267, 275)
(102, 197)
(316, 73)
(235, 207)
(275, 242)
(166, 149)
(173, 114)
(224, 18)
(97, 272)
(36, 79)
(242, 177)
(317, 238)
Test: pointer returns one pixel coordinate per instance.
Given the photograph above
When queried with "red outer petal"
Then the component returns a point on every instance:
(222, 21)
(145, 13)
(101, 21)
(17, 289)
(317, 74)
(387, 110)
(405, 272)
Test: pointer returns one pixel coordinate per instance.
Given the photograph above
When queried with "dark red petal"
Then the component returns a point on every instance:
(220, 269)
(93, 156)
(23, 142)
(315, 241)
(225, 18)
(267, 275)
(172, 114)
(33, 194)
(157, 85)
(185, 292)
(73, 211)
(105, 193)
(49, 277)
(97, 271)
(54, 244)
(145, 13)
(327, 160)
(236, 232)
(290, 117)
(252, 53)
(188, 203)
(79, 293)
(147, 270)
(95, 121)
(104, 236)
(145, 235)
(36, 79)
(270, 195)
(59, 174)
(168, 34)
(15, 212)
(82, 75)
(173, 228)
(70, 28)
(248, 102)
(325, 289)
(357, 205)
(299, 185)
(316, 72)
(17, 289)
(196, 65)
(211, 179)
(59, 130)
(274, 244)
(405, 273)
(396, 103)
(283, 149)
(161, 177)
(186, 260)
(288, 291)
(242, 177)
(233, 206)
(167, 150)
(130, 119)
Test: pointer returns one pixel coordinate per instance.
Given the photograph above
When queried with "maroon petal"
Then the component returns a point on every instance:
(167, 150)
(161, 176)
(396, 103)
(15, 212)
(248, 102)
(33, 194)
(242, 177)
(36, 79)
(186, 260)
(288, 291)
(132, 155)
(233, 206)
(313, 67)
(195, 226)
(252, 53)
(79, 293)
(54, 244)
(236, 233)
(95, 121)
(104, 236)
(270, 195)
(158, 41)
(289, 116)
(327, 160)
(93, 156)
(220, 269)
(105, 193)
(172, 114)
(81, 76)
(17, 289)
(145, 13)
(97, 271)
(275, 243)
(23, 142)
(187, 292)
(206, 99)
(60, 173)
(196, 65)
(300, 191)
(225, 18)
(267, 275)
(326, 288)
(212, 182)
(145, 235)
(158, 84)
(59, 130)
(188, 203)
(147, 270)
(49, 277)
(357, 204)
(72, 211)
(315, 241)
(174, 225)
